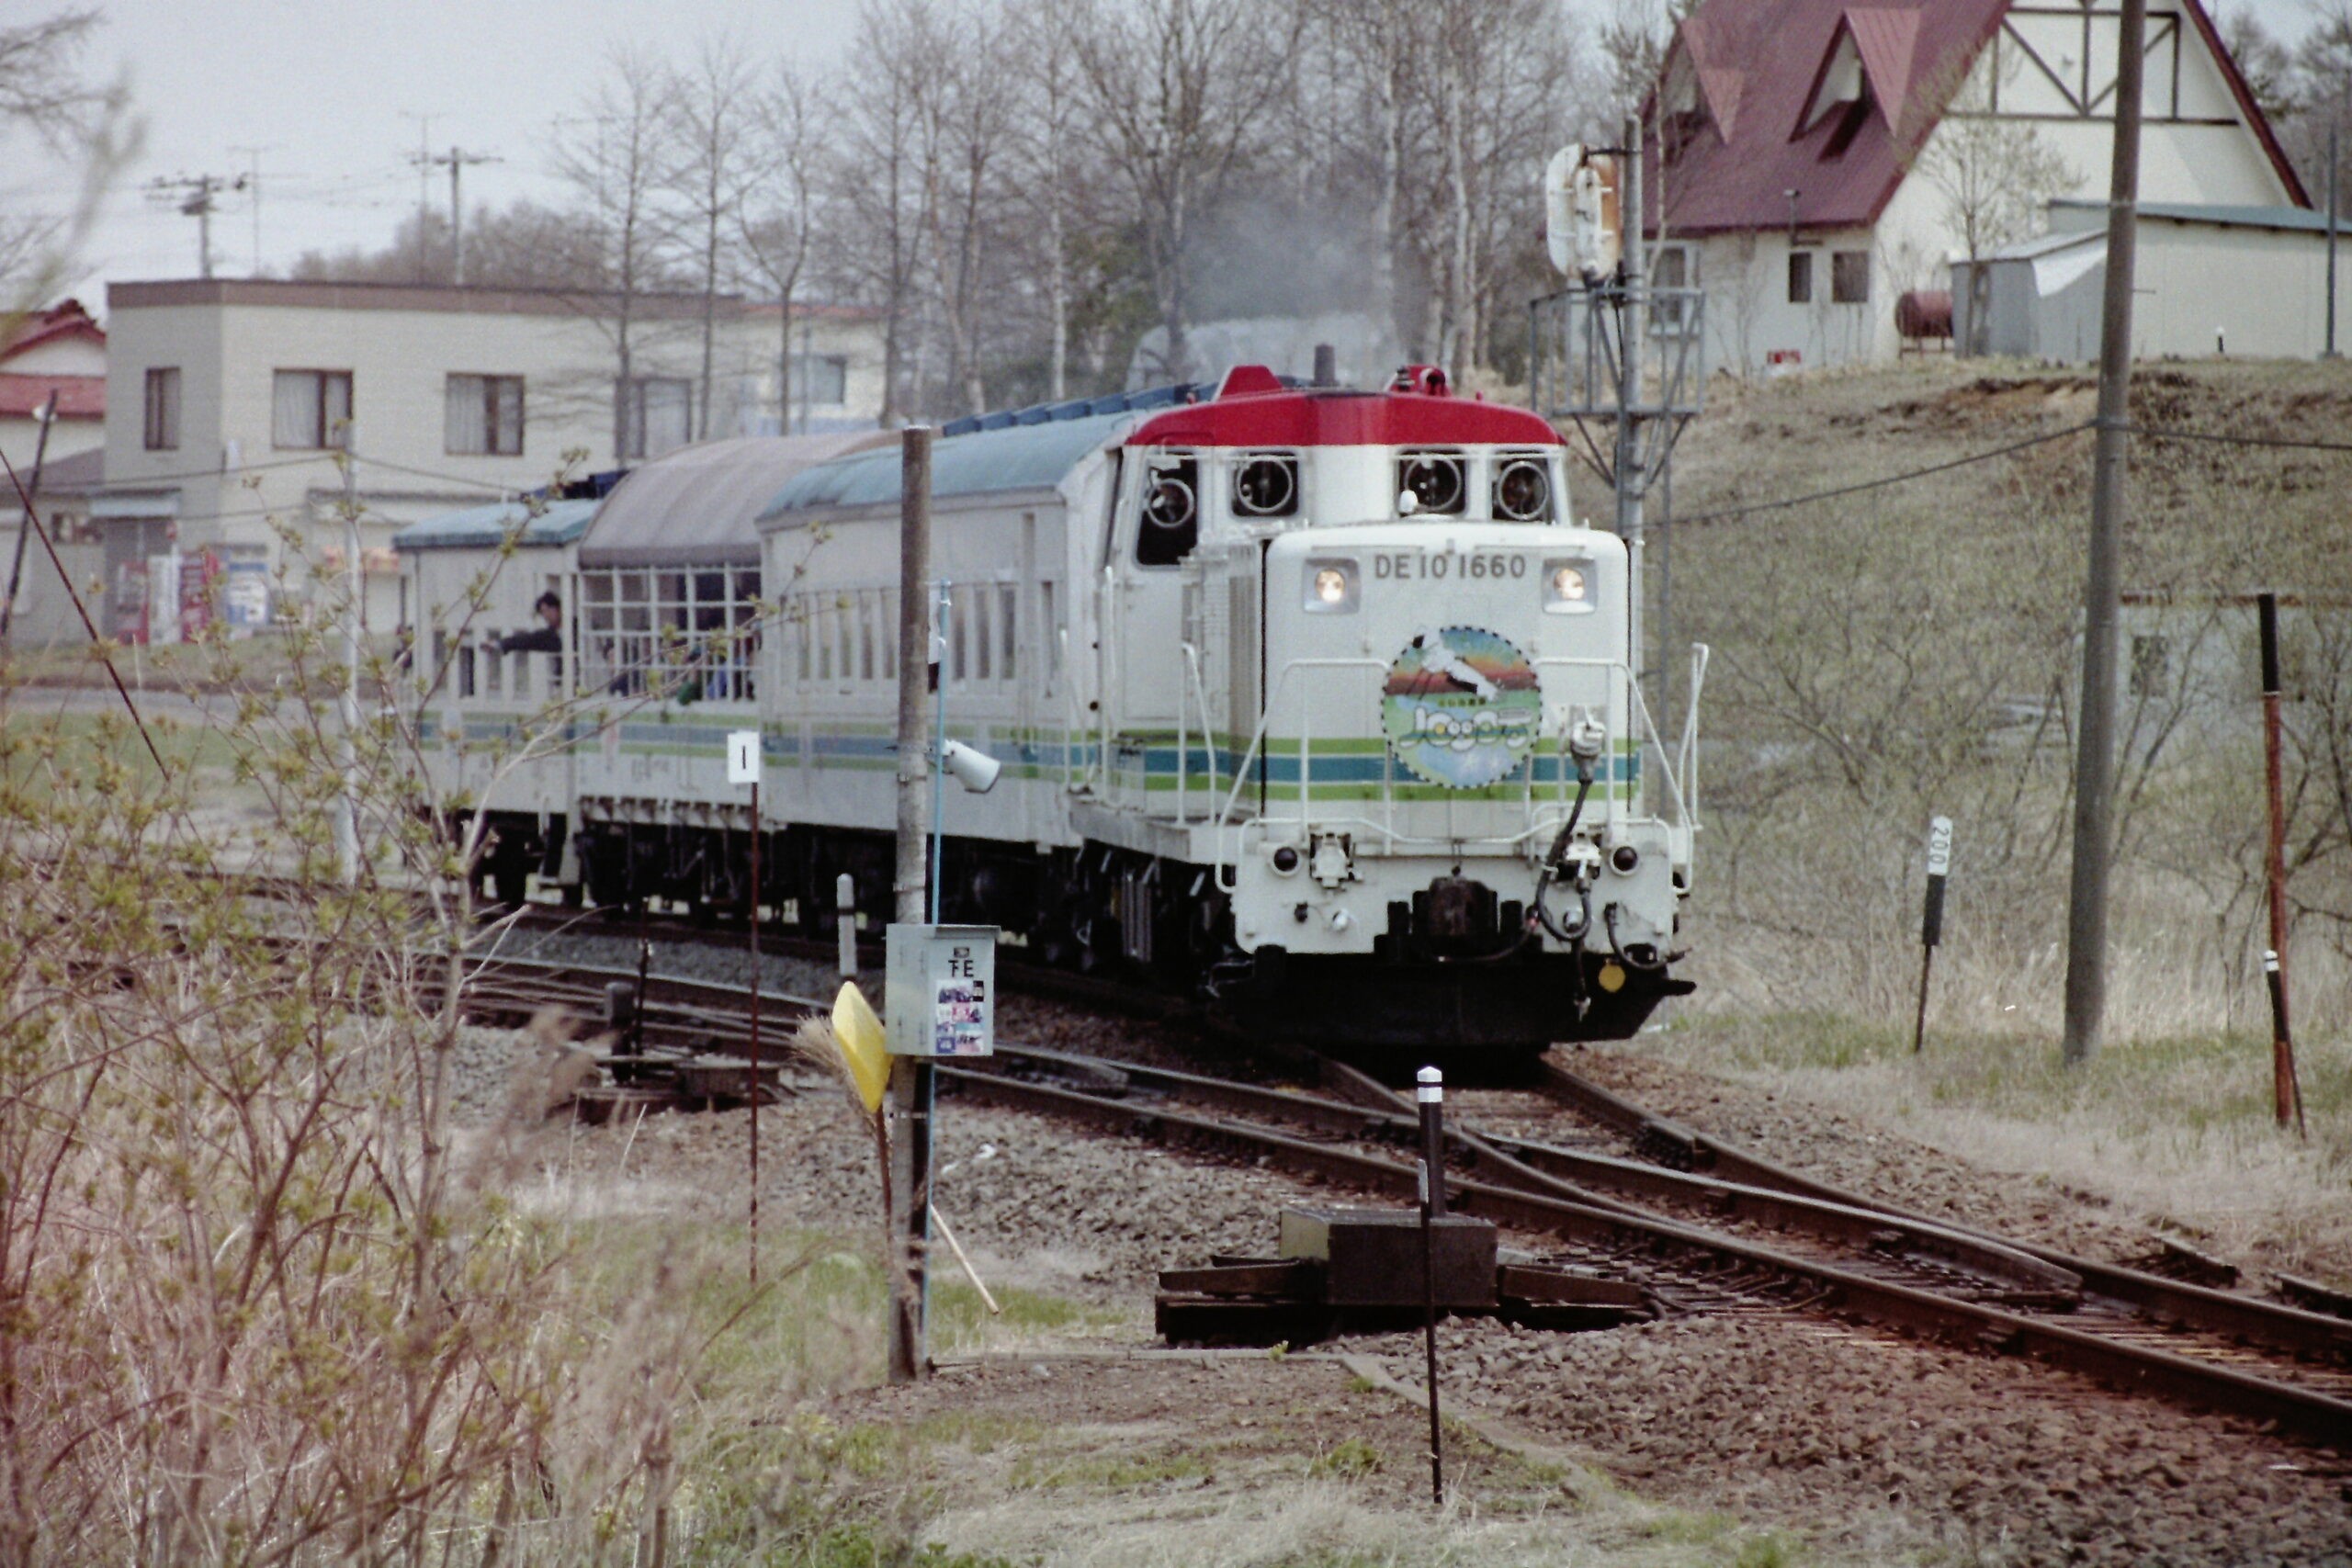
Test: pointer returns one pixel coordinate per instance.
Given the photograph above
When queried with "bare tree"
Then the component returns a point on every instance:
(46, 99)
(778, 217)
(1178, 90)
(877, 184)
(714, 113)
(1047, 153)
(1997, 176)
(966, 116)
(616, 170)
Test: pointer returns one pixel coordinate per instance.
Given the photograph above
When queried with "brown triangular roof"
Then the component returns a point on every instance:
(1759, 64)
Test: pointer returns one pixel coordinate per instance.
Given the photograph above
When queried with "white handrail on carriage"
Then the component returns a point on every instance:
(1700, 655)
(1198, 691)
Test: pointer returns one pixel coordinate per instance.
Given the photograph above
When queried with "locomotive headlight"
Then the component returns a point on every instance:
(1331, 587)
(1568, 587)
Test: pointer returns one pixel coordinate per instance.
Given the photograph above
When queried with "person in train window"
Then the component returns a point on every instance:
(545, 637)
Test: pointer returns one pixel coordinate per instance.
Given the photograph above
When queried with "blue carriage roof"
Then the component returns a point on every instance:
(976, 462)
(480, 527)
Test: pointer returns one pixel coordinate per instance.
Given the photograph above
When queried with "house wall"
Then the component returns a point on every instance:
(2186, 159)
(2197, 289)
(233, 488)
(854, 339)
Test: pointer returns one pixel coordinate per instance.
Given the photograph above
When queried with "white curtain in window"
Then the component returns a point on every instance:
(294, 413)
(335, 386)
(467, 427)
(508, 390)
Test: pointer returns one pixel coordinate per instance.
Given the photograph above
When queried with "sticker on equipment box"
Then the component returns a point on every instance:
(941, 985)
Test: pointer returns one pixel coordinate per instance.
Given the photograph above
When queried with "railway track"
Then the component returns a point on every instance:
(1729, 1231)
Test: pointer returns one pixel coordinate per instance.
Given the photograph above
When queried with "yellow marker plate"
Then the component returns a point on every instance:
(1613, 978)
(859, 1034)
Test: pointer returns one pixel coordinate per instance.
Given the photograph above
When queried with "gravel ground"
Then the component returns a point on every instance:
(1879, 1444)
(1871, 1447)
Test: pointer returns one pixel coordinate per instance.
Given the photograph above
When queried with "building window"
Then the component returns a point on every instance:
(163, 409)
(1675, 267)
(311, 409)
(483, 416)
(1849, 278)
(821, 380)
(1800, 277)
(658, 413)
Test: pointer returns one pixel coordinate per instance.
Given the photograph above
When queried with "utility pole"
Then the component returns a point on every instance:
(48, 417)
(910, 1076)
(195, 196)
(422, 162)
(254, 176)
(2095, 752)
(1629, 387)
(455, 161)
(2335, 189)
(348, 823)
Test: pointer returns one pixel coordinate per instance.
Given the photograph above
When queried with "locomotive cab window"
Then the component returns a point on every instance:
(1522, 488)
(1436, 482)
(1265, 484)
(1168, 519)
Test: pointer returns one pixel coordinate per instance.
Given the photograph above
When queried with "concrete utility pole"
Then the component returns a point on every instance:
(455, 161)
(196, 203)
(48, 417)
(346, 835)
(910, 1076)
(1630, 324)
(2335, 185)
(2095, 753)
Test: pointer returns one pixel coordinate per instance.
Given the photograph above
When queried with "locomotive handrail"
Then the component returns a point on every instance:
(1626, 716)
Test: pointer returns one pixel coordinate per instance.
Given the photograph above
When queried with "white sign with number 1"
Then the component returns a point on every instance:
(742, 755)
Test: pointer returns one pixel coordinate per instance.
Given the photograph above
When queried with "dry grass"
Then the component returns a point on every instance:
(2176, 1133)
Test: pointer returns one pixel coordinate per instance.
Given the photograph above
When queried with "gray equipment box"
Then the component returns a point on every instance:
(939, 990)
(1373, 1256)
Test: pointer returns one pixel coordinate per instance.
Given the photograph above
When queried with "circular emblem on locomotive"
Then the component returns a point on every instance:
(1461, 706)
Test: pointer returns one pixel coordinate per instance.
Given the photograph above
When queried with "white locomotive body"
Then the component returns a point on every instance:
(1313, 702)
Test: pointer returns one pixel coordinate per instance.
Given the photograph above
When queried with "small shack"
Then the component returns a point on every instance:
(2243, 281)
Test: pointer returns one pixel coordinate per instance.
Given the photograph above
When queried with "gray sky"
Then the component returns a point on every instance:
(330, 89)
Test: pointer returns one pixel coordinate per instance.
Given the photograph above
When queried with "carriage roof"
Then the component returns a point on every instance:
(697, 506)
(556, 523)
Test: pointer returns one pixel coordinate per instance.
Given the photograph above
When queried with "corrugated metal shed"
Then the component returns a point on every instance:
(986, 462)
(477, 527)
(699, 505)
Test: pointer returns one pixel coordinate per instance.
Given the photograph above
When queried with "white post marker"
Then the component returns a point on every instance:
(1931, 919)
(743, 757)
(1429, 1092)
(743, 768)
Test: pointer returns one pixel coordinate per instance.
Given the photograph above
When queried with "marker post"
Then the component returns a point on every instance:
(1931, 919)
(743, 767)
(1430, 1092)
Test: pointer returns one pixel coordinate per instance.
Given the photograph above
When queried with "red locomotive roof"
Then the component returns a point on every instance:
(1319, 418)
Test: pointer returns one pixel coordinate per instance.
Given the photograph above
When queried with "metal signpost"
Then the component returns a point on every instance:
(1431, 1093)
(743, 767)
(2286, 1095)
(1931, 920)
(939, 984)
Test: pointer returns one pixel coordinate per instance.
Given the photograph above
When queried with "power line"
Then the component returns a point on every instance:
(1889, 479)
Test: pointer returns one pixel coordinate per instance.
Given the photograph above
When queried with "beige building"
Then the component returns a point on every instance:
(1822, 160)
(233, 405)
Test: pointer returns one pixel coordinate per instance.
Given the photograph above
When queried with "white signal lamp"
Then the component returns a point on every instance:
(972, 768)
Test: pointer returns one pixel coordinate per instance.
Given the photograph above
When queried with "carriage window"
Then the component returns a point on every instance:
(825, 642)
(1168, 519)
(983, 646)
(800, 637)
(1048, 628)
(889, 633)
(845, 629)
(865, 636)
(1007, 599)
(957, 600)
